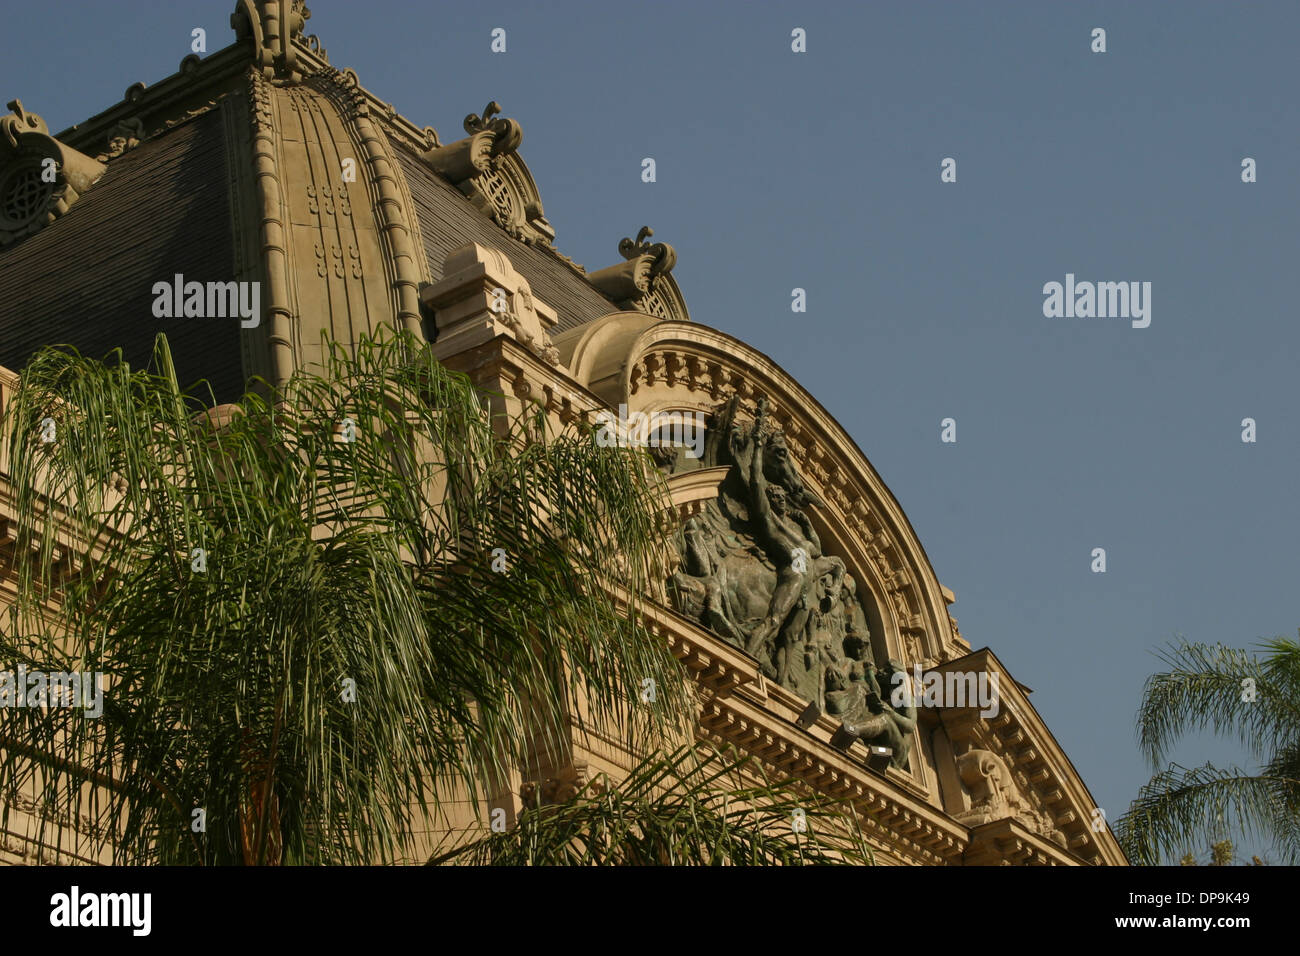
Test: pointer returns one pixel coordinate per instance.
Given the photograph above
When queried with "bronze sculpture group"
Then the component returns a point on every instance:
(754, 572)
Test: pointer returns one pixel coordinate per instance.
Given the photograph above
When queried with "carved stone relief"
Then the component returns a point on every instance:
(994, 796)
(754, 572)
(126, 135)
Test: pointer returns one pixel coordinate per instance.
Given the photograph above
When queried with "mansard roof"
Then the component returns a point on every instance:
(86, 278)
(215, 174)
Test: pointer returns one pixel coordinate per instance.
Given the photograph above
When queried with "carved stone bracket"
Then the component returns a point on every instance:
(995, 794)
(1000, 753)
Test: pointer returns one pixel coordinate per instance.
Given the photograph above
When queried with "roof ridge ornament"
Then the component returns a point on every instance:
(663, 255)
(125, 135)
(488, 171)
(20, 121)
(489, 142)
(39, 176)
(274, 26)
(508, 132)
(631, 281)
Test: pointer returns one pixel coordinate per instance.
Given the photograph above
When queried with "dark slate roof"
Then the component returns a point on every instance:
(86, 279)
(448, 220)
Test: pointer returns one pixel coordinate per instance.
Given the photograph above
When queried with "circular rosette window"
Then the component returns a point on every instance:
(27, 194)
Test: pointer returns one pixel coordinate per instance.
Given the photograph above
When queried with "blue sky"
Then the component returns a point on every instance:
(821, 170)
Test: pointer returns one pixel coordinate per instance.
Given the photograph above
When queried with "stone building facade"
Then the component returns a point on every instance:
(803, 600)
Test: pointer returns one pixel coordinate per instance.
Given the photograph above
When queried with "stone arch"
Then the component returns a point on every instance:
(649, 365)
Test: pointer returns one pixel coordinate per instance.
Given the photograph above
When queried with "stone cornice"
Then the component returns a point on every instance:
(900, 822)
(739, 707)
(743, 709)
(1035, 760)
(195, 78)
(503, 366)
(1006, 842)
(714, 665)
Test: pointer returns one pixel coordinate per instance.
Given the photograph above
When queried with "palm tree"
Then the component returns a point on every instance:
(1233, 692)
(321, 612)
(693, 806)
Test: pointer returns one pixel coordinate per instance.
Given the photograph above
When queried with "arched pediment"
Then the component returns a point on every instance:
(650, 366)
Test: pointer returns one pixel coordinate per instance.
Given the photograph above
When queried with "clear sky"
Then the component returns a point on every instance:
(821, 170)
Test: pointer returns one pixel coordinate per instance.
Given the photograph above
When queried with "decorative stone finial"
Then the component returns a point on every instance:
(630, 280)
(272, 26)
(20, 122)
(489, 141)
(39, 176)
(506, 133)
(663, 255)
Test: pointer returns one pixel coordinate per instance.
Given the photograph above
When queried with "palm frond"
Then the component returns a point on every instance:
(1226, 690)
(288, 605)
(690, 806)
(1202, 804)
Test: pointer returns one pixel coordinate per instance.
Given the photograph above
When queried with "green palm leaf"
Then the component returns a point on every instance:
(1234, 693)
(329, 564)
(690, 806)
